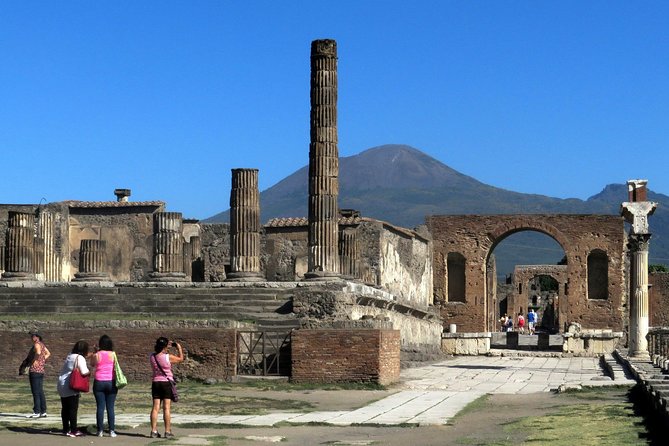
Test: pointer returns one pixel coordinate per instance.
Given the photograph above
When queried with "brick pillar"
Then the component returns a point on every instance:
(168, 263)
(92, 261)
(323, 164)
(349, 257)
(20, 247)
(244, 227)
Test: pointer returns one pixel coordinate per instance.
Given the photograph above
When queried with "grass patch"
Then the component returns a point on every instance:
(476, 405)
(212, 440)
(583, 424)
(283, 386)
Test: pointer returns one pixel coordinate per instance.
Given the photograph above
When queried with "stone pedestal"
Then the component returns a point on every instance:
(323, 260)
(244, 227)
(168, 260)
(92, 261)
(20, 253)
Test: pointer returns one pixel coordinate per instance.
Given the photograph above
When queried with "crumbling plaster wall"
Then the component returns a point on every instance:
(128, 233)
(475, 237)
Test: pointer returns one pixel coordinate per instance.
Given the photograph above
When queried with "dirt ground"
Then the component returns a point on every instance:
(478, 427)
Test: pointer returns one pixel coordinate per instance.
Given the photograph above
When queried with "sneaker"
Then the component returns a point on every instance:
(112, 434)
(35, 415)
(78, 433)
(169, 435)
(42, 415)
(99, 434)
(154, 434)
(70, 434)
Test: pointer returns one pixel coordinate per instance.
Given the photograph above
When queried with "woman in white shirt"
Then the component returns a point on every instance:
(69, 398)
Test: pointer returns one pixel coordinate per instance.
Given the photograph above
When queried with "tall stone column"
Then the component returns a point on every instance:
(188, 260)
(20, 254)
(92, 261)
(244, 227)
(323, 164)
(38, 259)
(46, 222)
(168, 263)
(636, 212)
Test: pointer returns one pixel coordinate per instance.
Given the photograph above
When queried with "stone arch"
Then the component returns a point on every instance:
(476, 236)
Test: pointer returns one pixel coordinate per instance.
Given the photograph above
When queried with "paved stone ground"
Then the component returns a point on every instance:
(429, 395)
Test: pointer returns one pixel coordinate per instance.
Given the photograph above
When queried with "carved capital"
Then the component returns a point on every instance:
(636, 213)
(638, 242)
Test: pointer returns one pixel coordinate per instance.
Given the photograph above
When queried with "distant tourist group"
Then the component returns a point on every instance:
(108, 378)
(507, 323)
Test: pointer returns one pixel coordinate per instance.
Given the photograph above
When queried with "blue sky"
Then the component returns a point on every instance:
(164, 98)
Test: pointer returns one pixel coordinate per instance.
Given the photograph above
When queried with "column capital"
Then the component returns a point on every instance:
(636, 213)
(638, 242)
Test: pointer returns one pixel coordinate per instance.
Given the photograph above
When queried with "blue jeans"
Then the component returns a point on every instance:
(37, 389)
(105, 397)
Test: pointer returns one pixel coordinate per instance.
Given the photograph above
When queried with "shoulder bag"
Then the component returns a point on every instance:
(175, 394)
(119, 378)
(79, 382)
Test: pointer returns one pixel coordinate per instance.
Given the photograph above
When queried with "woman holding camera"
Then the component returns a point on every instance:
(161, 386)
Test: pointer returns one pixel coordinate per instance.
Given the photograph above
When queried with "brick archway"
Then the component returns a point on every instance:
(476, 236)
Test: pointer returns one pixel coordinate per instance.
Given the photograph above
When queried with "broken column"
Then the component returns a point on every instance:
(323, 164)
(20, 247)
(349, 258)
(92, 261)
(636, 212)
(168, 260)
(244, 227)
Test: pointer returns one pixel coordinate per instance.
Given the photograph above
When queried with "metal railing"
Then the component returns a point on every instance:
(263, 353)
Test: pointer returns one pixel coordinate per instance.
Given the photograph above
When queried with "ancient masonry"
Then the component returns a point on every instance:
(92, 261)
(20, 247)
(323, 163)
(245, 226)
(636, 212)
(168, 247)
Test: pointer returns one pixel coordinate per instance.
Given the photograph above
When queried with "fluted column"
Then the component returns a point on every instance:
(168, 261)
(639, 321)
(20, 253)
(188, 260)
(348, 253)
(323, 164)
(51, 260)
(244, 226)
(636, 213)
(38, 259)
(92, 261)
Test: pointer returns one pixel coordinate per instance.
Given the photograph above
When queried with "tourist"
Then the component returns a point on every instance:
(509, 324)
(69, 398)
(531, 320)
(104, 387)
(521, 322)
(503, 321)
(35, 361)
(161, 386)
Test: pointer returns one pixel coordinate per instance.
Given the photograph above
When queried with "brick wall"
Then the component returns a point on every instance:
(475, 237)
(658, 297)
(206, 349)
(365, 355)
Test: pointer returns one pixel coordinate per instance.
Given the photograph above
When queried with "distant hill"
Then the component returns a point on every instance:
(401, 185)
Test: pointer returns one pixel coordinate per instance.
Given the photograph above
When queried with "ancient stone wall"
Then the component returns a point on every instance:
(658, 299)
(209, 346)
(330, 356)
(475, 237)
(128, 232)
(215, 251)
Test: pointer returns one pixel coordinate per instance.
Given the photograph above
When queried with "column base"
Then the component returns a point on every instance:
(167, 277)
(321, 276)
(244, 276)
(17, 276)
(639, 356)
(91, 277)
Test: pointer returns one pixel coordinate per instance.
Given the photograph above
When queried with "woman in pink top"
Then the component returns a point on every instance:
(104, 387)
(161, 387)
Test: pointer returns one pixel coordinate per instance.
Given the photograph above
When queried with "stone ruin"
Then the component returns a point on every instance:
(333, 270)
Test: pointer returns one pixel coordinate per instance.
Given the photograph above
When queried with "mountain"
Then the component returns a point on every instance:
(401, 185)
